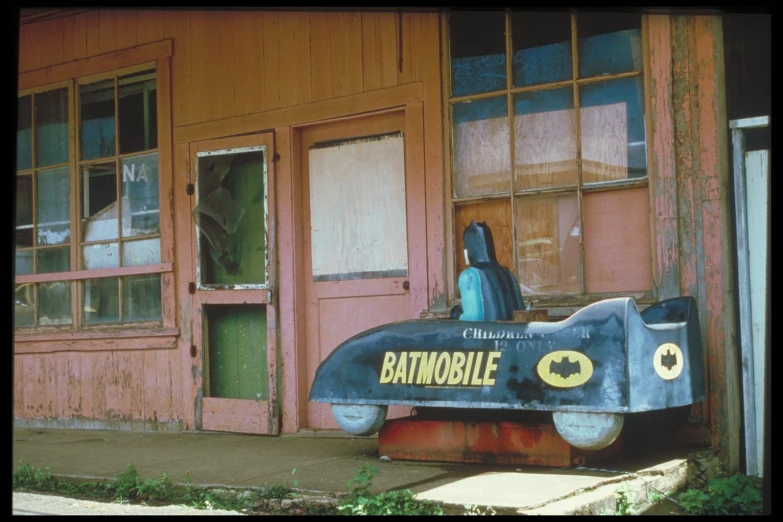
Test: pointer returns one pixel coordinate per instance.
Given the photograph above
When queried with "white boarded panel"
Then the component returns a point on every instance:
(757, 205)
(357, 209)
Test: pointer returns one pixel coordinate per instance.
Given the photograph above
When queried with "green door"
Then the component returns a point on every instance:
(234, 323)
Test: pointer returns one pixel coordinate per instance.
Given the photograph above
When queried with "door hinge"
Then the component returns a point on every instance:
(192, 350)
(192, 288)
(190, 189)
(276, 157)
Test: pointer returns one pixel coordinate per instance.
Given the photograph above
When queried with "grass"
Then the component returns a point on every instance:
(129, 487)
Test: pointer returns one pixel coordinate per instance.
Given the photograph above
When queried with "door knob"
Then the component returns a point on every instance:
(406, 285)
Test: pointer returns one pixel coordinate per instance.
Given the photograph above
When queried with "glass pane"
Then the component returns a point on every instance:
(618, 251)
(480, 147)
(140, 194)
(138, 112)
(97, 120)
(101, 300)
(24, 262)
(24, 133)
(357, 209)
(231, 218)
(54, 260)
(497, 215)
(54, 207)
(142, 252)
(141, 298)
(542, 47)
(99, 202)
(609, 43)
(24, 305)
(24, 211)
(101, 256)
(55, 303)
(548, 244)
(478, 52)
(51, 127)
(545, 139)
(614, 141)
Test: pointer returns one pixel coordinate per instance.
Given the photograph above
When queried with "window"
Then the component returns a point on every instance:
(549, 147)
(87, 201)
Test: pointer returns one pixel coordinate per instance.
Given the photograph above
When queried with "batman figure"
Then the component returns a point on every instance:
(489, 290)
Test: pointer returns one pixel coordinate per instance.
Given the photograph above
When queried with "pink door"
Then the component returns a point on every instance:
(363, 234)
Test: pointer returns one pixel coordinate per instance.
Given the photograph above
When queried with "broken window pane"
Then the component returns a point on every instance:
(24, 305)
(614, 142)
(54, 260)
(231, 217)
(97, 139)
(99, 202)
(24, 210)
(24, 130)
(101, 256)
(542, 47)
(138, 112)
(141, 252)
(480, 147)
(101, 300)
(140, 194)
(141, 298)
(51, 127)
(609, 43)
(55, 303)
(545, 139)
(478, 52)
(548, 244)
(54, 207)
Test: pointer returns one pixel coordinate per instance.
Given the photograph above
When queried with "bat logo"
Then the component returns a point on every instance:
(668, 361)
(565, 369)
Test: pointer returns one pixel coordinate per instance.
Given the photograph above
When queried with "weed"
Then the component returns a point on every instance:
(359, 500)
(27, 476)
(733, 495)
(623, 503)
(474, 510)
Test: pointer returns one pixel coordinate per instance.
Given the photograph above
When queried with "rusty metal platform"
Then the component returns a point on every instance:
(516, 443)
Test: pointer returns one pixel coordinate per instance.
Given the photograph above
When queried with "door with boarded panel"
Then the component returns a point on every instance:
(364, 237)
(234, 315)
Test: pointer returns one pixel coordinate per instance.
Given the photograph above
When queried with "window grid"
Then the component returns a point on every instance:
(575, 83)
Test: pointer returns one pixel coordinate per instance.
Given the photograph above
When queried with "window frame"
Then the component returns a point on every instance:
(154, 56)
(563, 304)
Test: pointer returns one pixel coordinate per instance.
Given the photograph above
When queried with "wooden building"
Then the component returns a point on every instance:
(209, 201)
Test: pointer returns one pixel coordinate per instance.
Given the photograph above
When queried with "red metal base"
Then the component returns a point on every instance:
(412, 438)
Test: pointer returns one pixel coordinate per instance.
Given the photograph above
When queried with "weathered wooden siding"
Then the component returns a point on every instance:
(129, 389)
(705, 257)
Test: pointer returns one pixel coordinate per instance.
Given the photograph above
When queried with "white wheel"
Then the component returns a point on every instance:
(359, 419)
(588, 431)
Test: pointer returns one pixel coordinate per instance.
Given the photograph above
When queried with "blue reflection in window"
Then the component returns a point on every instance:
(629, 91)
(548, 63)
(610, 53)
(543, 101)
(477, 74)
(480, 110)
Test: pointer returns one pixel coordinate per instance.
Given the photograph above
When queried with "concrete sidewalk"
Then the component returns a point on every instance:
(322, 465)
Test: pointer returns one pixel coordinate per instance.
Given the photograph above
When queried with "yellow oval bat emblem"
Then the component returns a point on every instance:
(565, 369)
(668, 361)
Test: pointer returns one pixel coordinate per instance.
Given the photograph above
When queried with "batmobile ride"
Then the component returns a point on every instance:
(590, 370)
